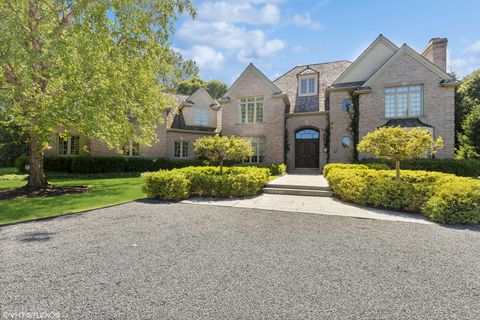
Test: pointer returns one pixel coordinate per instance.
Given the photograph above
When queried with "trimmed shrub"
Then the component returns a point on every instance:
(442, 197)
(455, 202)
(375, 166)
(168, 185)
(208, 182)
(459, 167)
(275, 168)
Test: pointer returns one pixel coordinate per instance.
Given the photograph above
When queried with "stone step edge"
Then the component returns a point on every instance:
(302, 187)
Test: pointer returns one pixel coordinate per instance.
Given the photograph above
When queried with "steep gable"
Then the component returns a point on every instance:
(403, 52)
(252, 71)
(379, 52)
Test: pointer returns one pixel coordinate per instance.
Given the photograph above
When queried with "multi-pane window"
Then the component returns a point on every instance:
(250, 110)
(258, 144)
(131, 149)
(180, 149)
(201, 117)
(404, 102)
(68, 146)
(307, 86)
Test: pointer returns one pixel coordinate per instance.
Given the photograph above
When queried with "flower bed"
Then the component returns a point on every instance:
(442, 197)
(179, 184)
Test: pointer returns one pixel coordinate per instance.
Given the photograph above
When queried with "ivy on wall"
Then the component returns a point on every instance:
(354, 113)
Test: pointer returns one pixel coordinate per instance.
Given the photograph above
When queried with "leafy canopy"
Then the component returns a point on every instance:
(470, 138)
(219, 149)
(92, 66)
(214, 87)
(397, 144)
(467, 96)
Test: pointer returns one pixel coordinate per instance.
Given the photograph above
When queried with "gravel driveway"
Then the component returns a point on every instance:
(152, 260)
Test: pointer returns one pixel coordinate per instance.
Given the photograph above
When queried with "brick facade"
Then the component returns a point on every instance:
(286, 110)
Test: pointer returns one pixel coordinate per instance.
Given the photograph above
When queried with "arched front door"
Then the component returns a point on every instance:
(307, 148)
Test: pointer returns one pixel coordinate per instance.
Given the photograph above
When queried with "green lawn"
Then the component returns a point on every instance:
(103, 192)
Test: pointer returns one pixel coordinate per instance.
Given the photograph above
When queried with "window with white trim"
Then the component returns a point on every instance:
(250, 110)
(307, 86)
(201, 117)
(404, 101)
(131, 149)
(259, 146)
(180, 149)
(68, 146)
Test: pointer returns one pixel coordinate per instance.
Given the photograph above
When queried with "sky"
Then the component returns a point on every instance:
(277, 35)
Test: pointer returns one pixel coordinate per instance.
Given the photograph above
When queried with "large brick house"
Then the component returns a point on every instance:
(304, 117)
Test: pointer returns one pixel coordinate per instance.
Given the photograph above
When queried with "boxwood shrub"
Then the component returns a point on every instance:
(442, 197)
(459, 167)
(207, 182)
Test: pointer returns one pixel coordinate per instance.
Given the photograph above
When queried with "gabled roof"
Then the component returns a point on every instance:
(415, 55)
(258, 73)
(367, 63)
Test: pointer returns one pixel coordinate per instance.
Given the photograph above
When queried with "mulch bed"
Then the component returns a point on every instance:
(46, 192)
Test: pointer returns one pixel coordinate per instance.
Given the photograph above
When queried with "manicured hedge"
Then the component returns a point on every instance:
(94, 164)
(207, 181)
(442, 197)
(459, 167)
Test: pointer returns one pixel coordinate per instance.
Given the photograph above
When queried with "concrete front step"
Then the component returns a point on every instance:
(298, 192)
(293, 186)
(305, 171)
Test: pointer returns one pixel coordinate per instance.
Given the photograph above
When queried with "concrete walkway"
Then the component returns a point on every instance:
(303, 180)
(316, 205)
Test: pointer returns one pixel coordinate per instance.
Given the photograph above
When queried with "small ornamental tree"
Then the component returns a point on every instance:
(218, 149)
(398, 144)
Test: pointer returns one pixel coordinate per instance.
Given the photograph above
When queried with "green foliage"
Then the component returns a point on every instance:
(13, 144)
(206, 182)
(470, 138)
(214, 87)
(354, 114)
(90, 66)
(398, 144)
(455, 202)
(467, 96)
(168, 185)
(274, 168)
(442, 197)
(181, 70)
(218, 149)
(375, 166)
(459, 167)
(90, 164)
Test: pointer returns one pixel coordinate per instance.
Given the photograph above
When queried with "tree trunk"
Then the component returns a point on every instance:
(397, 169)
(221, 166)
(36, 179)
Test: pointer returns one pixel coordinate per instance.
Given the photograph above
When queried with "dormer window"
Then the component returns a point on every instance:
(307, 85)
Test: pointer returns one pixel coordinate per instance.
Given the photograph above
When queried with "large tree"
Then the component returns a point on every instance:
(467, 96)
(91, 66)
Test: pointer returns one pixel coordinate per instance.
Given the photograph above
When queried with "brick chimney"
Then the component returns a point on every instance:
(436, 52)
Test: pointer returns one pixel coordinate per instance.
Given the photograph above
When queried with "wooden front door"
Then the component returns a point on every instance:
(307, 145)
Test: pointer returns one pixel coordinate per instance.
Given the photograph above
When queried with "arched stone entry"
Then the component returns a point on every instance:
(307, 148)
